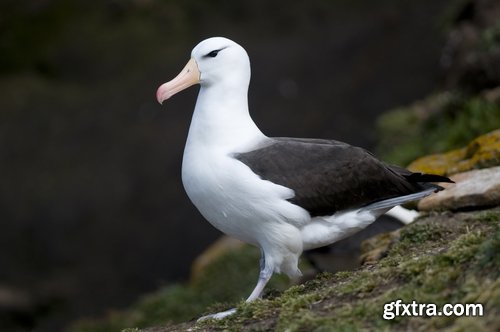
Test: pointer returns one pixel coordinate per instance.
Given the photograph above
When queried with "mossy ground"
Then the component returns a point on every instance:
(441, 258)
(440, 123)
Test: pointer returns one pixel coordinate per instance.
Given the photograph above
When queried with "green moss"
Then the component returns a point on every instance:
(461, 124)
(488, 255)
(492, 216)
(420, 233)
(440, 123)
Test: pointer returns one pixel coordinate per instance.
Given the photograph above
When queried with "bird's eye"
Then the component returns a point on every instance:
(213, 54)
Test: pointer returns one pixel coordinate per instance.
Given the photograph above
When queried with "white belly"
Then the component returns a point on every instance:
(235, 200)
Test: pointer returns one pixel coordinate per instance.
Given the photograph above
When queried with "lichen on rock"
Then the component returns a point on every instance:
(482, 152)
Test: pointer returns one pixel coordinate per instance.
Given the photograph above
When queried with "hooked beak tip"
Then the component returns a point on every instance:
(158, 98)
(188, 76)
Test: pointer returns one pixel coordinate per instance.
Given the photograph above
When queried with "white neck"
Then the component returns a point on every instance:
(221, 119)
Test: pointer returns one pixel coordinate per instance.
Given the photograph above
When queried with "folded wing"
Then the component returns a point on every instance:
(329, 176)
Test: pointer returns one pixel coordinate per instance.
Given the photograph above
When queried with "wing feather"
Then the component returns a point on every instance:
(328, 176)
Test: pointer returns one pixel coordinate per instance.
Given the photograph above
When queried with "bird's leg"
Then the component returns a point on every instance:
(262, 260)
(265, 274)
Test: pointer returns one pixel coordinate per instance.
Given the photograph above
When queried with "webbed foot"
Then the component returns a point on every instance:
(219, 315)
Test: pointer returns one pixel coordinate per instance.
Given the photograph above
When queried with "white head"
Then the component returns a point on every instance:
(214, 61)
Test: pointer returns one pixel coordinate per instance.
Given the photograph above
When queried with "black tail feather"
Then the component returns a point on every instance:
(421, 177)
(418, 177)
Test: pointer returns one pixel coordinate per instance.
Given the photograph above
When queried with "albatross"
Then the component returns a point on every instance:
(283, 195)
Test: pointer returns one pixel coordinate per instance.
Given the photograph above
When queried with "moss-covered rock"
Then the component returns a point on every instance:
(482, 152)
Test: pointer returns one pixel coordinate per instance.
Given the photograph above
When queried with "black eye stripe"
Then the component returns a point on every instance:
(213, 54)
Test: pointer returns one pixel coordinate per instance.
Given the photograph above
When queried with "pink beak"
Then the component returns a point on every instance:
(188, 76)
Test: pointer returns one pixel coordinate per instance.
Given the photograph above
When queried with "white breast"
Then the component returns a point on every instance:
(234, 199)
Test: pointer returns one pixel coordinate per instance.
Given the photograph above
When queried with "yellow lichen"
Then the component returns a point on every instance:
(482, 152)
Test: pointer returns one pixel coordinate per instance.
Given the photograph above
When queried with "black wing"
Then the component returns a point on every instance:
(328, 176)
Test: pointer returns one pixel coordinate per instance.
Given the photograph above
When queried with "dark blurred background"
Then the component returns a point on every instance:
(92, 209)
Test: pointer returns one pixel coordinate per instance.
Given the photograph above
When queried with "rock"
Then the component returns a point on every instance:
(14, 299)
(472, 190)
(482, 152)
(492, 95)
(375, 248)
